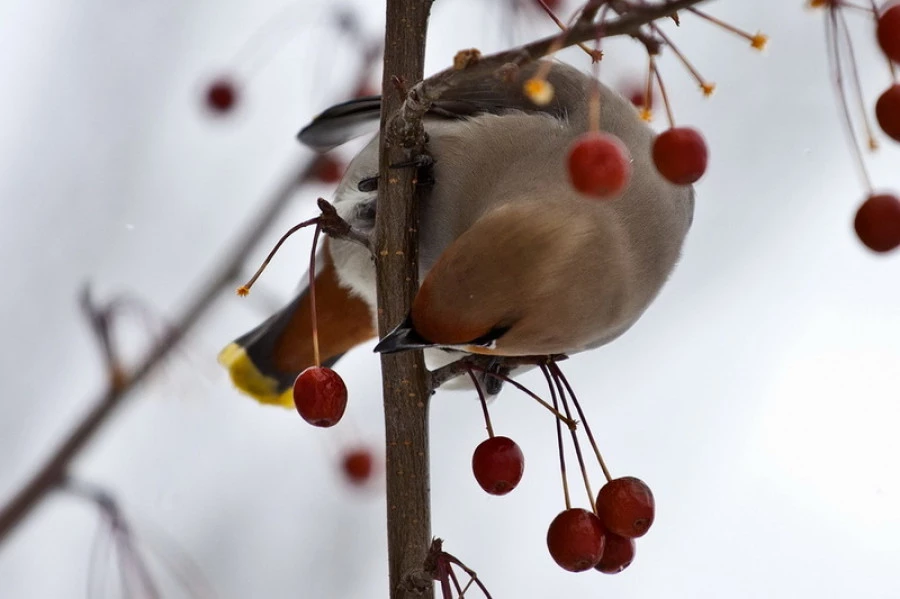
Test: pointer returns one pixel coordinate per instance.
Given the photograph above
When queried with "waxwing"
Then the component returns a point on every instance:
(513, 260)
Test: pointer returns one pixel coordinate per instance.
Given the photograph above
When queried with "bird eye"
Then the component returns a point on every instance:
(368, 184)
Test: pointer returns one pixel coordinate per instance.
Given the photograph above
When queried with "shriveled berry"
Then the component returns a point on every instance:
(680, 155)
(888, 32)
(320, 396)
(887, 111)
(357, 464)
(599, 165)
(221, 95)
(626, 507)
(576, 539)
(498, 465)
(617, 555)
(877, 222)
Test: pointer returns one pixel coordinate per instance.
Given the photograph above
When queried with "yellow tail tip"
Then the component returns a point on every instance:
(250, 381)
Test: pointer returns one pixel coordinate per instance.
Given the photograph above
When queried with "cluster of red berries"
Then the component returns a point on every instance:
(579, 539)
(599, 164)
(877, 221)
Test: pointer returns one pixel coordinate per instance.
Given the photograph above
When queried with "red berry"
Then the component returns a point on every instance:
(626, 507)
(498, 464)
(889, 32)
(680, 155)
(639, 98)
(877, 222)
(637, 94)
(320, 396)
(617, 555)
(328, 170)
(358, 465)
(576, 539)
(887, 111)
(221, 95)
(599, 165)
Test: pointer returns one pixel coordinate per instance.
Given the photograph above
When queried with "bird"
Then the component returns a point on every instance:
(513, 260)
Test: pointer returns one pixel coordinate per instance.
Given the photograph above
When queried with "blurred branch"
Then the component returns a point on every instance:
(123, 382)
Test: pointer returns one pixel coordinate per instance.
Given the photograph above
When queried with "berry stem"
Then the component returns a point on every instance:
(647, 109)
(484, 408)
(662, 91)
(758, 41)
(312, 295)
(245, 288)
(559, 440)
(833, 42)
(562, 27)
(594, 108)
(587, 428)
(565, 403)
(857, 85)
(455, 580)
(559, 415)
(473, 576)
(705, 85)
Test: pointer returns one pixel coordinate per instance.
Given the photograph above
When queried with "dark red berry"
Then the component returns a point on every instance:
(320, 396)
(599, 165)
(617, 555)
(680, 155)
(877, 222)
(327, 169)
(576, 539)
(498, 465)
(357, 465)
(221, 95)
(626, 507)
(888, 31)
(887, 111)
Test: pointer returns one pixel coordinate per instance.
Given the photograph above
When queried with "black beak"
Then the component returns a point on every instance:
(402, 338)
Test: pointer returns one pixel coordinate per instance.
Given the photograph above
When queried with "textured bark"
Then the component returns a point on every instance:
(403, 375)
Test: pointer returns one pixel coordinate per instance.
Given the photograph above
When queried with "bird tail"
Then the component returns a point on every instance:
(264, 362)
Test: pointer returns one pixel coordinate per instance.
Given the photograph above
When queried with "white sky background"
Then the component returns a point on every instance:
(757, 397)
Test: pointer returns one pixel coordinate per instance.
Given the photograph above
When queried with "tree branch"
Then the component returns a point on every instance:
(53, 472)
(421, 97)
(396, 257)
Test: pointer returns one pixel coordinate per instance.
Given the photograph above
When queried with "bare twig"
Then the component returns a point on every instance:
(335, 226)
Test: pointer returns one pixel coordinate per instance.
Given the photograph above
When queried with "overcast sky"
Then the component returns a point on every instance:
(758, 396)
